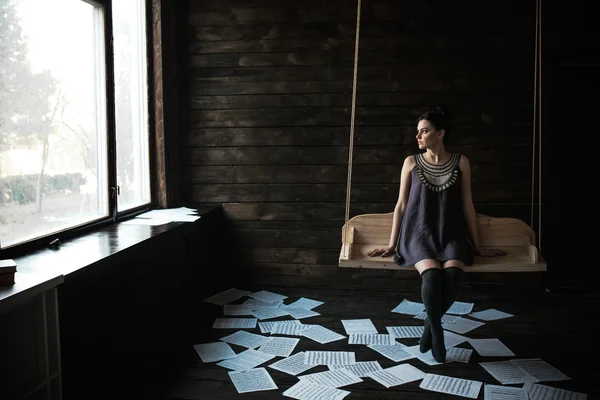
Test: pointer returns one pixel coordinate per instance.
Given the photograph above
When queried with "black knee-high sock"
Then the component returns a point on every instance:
(431, 293)
(451, 284)
(425, 342)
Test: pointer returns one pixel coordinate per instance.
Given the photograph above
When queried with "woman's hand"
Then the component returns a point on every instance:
(490, 252)
(388, 251)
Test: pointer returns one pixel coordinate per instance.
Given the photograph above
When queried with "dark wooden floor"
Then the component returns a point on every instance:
(556, 328)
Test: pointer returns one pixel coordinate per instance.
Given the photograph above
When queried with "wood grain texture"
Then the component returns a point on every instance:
(256, 255)
(270, 104)
(275, 31)
(321, 44)
(282, 74)
(293, 212)
(338, 173)
(334, 212)
(331, 155)
(242, 15)
(331, 193)
(479, 134)
(270, 101)
(159, 123)
(266, 80)
(248, 101)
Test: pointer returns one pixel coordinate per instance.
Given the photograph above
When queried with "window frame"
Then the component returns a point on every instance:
(152, 79)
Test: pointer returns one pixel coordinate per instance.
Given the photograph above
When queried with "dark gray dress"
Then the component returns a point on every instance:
(433, 225)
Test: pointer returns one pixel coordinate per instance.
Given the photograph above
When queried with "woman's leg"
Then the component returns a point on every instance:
(452, 273)
(431, 293)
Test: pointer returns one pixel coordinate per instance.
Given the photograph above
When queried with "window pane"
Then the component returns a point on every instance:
(53, 163)
(131, 103)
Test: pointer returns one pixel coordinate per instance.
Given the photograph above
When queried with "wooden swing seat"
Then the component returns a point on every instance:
(365, 232)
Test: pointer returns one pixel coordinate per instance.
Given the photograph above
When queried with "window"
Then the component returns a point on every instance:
(131, 109)
(58, 154)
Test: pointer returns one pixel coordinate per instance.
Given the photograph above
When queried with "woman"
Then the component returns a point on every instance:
(434, 225)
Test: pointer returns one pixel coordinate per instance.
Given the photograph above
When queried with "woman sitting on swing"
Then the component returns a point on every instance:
(434, 224)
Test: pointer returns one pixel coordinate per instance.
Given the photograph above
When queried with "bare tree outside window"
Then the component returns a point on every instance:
(53, 163)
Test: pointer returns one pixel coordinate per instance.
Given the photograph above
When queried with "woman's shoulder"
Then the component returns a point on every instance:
(463, 161)
(410, 161)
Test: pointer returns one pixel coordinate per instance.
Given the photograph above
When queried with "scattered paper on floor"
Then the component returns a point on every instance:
(344, 370)
(397, 375)
(321, 334)
(237, 309)
(395, 353)
(226, 296)
(497, 392)
(246, 360)
(409, 307)
(540, 370)
(310, 391)
(289, 329)
(329, 357)
(506, 372)
(536, 391)
(300, 313)
(279, 346)
(452, 339)
(358, 326)
(490, 315)
(292, 365)
(267, 326)
(360, 368)
(405, 332)
(253, 380)
(491, 348)
(234, 323)
(246, 339)
(261, 303)
(462, 325)
(267, 296)
(460, 308)
(335, 378)
(451, 385)
(303, 302)
(268, 312)
(215, 351)
(372, 338)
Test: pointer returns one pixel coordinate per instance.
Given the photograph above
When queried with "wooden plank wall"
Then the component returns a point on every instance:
(571, 78)
(270, 98)
(475, 56)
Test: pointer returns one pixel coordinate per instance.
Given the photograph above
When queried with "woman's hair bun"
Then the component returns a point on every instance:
(438, 110)
(445, 111)
(440, 116)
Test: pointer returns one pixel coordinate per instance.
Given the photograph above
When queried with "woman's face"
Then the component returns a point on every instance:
(427, 135)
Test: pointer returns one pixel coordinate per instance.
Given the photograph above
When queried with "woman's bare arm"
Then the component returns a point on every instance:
(405, 180)
(469, 210)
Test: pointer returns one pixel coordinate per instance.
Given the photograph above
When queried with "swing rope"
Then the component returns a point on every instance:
(537, 121)
(540, 132)
(353, 113)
